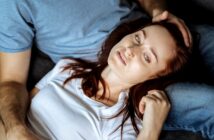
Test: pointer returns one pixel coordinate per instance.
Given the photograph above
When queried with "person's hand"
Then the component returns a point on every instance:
(21, 133)
(154, 107)
(165, 15)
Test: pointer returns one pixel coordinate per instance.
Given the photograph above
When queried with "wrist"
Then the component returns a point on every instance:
(153, 7)
(148, 135)
(156, 12)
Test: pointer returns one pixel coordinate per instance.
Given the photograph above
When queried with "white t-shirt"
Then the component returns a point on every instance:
(66, 113)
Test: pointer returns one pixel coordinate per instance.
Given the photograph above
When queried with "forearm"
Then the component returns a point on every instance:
(153, 7)
(13, 104)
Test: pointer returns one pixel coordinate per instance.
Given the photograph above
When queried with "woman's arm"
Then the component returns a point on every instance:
(155, 107)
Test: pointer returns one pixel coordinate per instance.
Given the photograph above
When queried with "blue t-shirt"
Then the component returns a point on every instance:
(61, 28)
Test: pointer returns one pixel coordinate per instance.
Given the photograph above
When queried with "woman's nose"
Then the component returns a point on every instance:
(129, 52)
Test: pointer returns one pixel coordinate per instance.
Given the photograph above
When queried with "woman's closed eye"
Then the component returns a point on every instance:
(137, 39)
(146, 57)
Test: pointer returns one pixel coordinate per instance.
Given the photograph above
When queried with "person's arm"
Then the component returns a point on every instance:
(154, 107)
(153, 7)
(157, 9)
(14, 97)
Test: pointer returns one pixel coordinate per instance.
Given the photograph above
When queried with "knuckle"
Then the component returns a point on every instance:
(169, 105)
(165, 103)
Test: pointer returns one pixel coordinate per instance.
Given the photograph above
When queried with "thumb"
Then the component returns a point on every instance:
(160, 17)
(142, 105)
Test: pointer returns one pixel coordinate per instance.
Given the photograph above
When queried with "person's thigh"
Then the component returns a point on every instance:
(205, 49)
(2, 131)
(192, 108)
(207, 4)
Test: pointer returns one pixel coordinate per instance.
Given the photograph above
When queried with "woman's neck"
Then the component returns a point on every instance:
(113, 85)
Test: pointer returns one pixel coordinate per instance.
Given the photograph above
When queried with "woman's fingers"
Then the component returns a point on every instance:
(145, 101)
(142, 105)
(154, 97)
(158, 94)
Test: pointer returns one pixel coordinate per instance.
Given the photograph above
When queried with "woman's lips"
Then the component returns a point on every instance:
(121, 57)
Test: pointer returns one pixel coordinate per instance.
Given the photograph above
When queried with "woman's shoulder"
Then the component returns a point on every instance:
(65, 61)
(62, 63)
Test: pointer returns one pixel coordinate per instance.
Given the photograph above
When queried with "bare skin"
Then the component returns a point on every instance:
(14, 95)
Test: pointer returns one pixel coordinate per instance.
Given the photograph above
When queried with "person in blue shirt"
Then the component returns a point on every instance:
(77, 28)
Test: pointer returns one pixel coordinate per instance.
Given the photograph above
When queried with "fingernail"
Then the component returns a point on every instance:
(188, 44)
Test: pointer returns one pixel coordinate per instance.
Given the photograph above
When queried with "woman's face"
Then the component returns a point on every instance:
(142, 55)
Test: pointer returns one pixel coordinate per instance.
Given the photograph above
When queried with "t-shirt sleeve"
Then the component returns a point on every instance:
(45, 79)
(51, 74)
(16, 26)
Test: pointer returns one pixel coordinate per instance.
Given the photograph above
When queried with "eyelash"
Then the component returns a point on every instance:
(137, 39)
(146, 58)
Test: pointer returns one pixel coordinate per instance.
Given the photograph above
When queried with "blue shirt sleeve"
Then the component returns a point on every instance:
(16, 28)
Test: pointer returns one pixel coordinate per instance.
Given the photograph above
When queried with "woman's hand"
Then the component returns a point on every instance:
(155, 107)
(165, 15)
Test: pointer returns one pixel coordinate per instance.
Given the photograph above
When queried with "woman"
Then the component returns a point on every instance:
(107, 99)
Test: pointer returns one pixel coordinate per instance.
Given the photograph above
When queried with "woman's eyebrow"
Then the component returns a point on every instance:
(152, 50)
(154, 53)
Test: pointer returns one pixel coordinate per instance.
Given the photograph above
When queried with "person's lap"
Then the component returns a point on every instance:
(192, 108)
(192, 103)
(206, 48)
